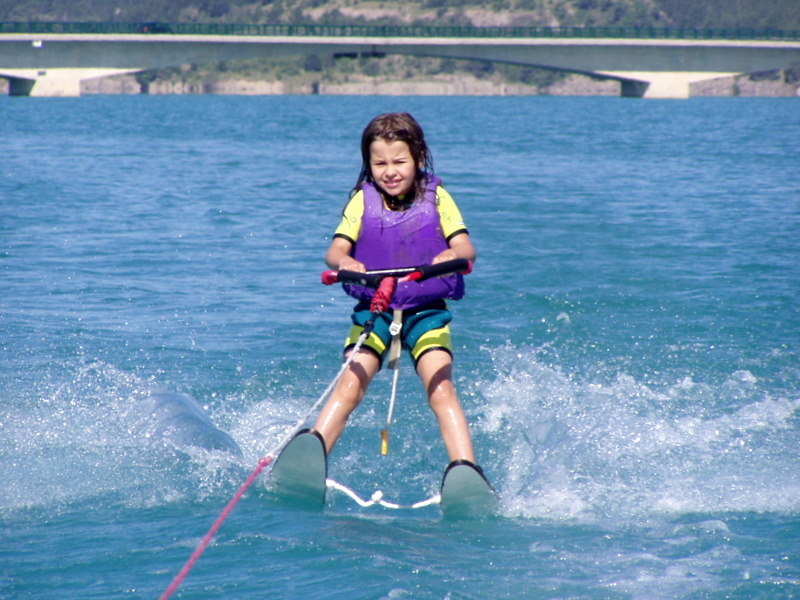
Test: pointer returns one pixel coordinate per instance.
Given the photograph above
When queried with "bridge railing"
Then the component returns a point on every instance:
(422, 31)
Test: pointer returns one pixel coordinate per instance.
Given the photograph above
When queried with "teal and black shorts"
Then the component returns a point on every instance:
(424, 328)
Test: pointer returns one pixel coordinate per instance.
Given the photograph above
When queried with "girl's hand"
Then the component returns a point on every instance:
(338, 256)
(444, 256)
(348, 263)
(460, 247)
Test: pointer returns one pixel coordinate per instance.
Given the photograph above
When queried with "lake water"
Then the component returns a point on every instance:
(628, 352)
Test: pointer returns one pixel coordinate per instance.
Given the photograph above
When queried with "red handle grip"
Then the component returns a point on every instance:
(330, 277)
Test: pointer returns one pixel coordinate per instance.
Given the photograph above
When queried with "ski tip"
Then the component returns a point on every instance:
(466, 492)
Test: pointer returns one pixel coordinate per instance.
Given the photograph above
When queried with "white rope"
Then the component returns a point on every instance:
(394, 358)
(377, 498)
(395, 350)
(302, 420)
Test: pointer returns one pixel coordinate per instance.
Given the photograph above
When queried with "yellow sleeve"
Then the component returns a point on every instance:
(350, 225)
(449, 216)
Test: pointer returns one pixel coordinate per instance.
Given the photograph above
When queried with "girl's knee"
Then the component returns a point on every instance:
(443, 397)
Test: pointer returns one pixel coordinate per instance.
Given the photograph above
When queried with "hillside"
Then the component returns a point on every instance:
(767, 14)
(453, 12)
(409, 75)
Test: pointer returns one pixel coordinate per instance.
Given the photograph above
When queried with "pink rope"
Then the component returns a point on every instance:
(214, 528)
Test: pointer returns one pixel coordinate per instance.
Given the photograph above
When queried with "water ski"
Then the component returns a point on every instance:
(466, 494)
(301, 469)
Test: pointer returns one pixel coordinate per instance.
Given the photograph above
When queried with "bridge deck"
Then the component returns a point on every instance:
(426, 31)
(52, 58)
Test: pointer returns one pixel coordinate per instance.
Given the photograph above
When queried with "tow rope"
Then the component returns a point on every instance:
(217, 524)
(380, 303)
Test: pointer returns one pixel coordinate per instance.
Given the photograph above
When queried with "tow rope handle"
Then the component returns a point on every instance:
(373, 279)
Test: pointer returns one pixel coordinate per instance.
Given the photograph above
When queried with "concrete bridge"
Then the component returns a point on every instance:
(51, 59)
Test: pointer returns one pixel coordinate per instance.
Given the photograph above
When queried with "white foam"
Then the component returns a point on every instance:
(572, 447)
(100, 433)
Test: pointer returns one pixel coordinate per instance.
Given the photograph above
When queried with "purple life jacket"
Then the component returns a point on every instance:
(395, 239)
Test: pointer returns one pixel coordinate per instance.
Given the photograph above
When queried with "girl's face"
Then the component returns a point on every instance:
(392, 166)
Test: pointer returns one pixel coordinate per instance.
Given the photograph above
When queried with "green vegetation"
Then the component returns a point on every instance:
(767, 14)
(722, 14)
(309, 71)
(440, 12)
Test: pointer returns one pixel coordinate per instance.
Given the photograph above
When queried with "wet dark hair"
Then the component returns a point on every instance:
(402, 127)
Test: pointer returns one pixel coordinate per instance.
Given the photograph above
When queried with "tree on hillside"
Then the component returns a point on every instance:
(734, 14)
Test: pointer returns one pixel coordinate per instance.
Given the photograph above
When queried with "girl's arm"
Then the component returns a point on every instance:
(338, 256)
(460, 247)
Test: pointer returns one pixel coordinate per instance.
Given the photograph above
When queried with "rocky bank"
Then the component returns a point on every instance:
(773, 84)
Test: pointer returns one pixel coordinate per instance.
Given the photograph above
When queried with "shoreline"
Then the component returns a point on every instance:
(773, 84)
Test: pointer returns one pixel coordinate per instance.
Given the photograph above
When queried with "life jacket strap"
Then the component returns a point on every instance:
(395, 347)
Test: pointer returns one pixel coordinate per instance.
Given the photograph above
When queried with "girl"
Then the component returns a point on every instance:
(399, 215)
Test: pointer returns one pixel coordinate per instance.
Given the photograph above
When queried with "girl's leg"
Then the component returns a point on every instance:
(346, 396)
(435, 370)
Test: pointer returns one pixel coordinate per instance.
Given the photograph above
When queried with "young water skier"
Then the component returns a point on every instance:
(399, 215)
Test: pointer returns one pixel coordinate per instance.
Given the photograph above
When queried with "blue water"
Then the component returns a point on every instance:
(628, 352)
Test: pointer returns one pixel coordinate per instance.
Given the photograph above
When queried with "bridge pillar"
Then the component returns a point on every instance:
(661, 85)
(633, 89)
(52, 82)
